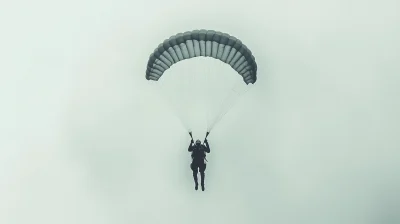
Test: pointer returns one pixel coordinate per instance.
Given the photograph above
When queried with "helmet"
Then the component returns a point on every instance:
(198, 141)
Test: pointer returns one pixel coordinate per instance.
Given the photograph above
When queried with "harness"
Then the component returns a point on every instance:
(199, 151)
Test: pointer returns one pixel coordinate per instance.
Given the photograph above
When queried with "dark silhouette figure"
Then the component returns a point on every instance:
(198, 156)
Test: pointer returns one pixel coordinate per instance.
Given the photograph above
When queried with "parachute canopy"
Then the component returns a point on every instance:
(206, 43)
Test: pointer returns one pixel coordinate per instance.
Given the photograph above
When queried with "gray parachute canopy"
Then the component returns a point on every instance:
(206, 43)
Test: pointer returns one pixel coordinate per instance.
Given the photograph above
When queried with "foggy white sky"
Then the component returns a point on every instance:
(86, 139)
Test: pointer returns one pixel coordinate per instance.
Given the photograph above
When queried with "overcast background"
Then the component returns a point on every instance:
(86, 139)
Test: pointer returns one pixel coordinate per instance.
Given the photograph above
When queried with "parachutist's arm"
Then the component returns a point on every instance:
(208, 150)
(190, 148)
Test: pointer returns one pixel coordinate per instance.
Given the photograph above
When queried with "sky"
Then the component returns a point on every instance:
(87, 139)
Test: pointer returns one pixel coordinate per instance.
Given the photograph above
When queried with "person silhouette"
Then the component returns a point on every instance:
(199, 151)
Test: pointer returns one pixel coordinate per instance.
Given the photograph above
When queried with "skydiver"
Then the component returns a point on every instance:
(198, 160)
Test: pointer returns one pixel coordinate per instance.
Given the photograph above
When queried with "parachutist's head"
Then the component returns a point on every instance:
(198, 142)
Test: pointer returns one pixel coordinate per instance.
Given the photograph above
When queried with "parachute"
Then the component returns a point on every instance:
(207, 43)
(202, 44)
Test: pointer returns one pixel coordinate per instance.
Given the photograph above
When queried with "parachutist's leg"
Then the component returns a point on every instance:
(202, 174)
(195, 180)
(202, 180)
(194, 169)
